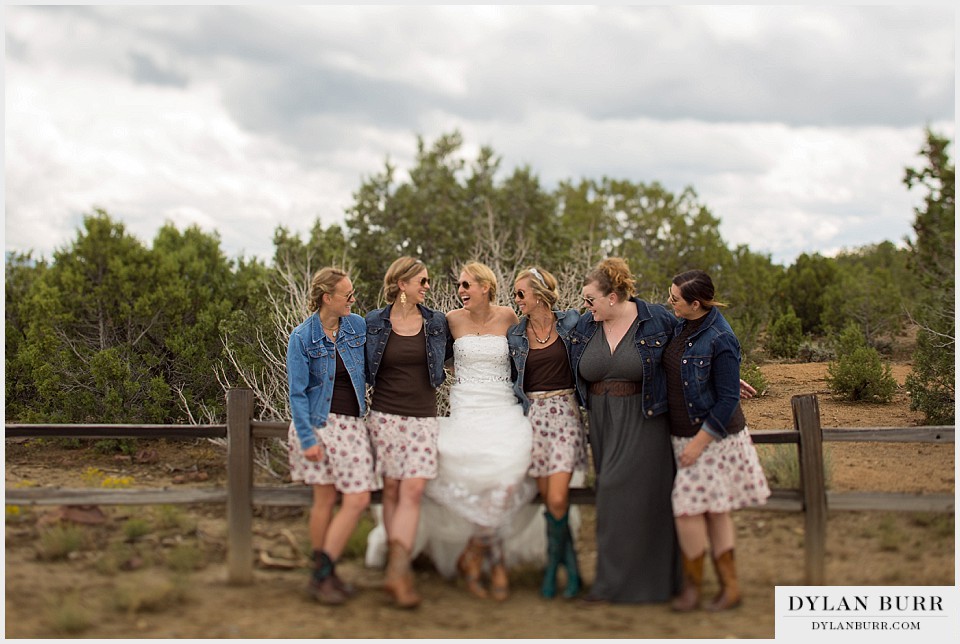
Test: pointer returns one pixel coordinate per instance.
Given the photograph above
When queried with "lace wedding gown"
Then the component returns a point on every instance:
(484, 451)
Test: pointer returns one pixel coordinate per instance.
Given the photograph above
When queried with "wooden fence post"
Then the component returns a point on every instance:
(806, 420)
(239, 486)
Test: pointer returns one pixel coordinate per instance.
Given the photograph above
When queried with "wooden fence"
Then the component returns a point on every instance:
(240, 495)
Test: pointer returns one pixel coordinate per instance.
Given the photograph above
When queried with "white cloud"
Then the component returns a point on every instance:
(793, 124)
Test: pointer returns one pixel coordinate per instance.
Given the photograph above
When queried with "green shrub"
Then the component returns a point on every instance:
(185, 558)
(781, 465)
(858, 374)
(108, 446)
(68, 616)
(172, 517)
(816, 351)
(135, 528)
(786, 334)
(931, 382)
(59, 541)
(750, 372)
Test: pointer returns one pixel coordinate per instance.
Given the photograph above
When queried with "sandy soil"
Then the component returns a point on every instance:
(171, 582)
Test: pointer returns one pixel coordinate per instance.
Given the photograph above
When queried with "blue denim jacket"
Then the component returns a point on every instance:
(439, 341)
(311, 366)
(520, 348)
(710, 368)
(655, 328)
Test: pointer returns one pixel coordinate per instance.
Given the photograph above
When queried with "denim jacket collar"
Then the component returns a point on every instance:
(316, 327)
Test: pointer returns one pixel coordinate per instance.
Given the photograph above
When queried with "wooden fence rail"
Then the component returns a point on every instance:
(240, 495)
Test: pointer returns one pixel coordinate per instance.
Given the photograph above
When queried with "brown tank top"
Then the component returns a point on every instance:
(403, 380)
(548, 369)
(344, 400)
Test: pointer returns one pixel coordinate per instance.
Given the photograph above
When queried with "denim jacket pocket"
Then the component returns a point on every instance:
(357, 341)
(701, 367)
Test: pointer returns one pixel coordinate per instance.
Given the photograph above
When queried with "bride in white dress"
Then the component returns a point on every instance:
(477, 515)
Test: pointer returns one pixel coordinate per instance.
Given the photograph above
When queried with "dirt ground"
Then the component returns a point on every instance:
(149, 572)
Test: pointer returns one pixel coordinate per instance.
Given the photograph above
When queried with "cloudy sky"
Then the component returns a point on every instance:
(793, 124)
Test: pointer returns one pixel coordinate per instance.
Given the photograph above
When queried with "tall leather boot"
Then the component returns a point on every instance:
(689, 597)
(470, 566)
(555, 553)
(570, 559)
(398, 578)
(729, 595)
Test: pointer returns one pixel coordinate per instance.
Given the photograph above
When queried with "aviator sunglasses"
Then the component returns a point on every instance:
(464, 284)
(519, 294)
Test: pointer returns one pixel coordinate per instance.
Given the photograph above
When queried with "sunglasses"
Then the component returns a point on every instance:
(424, 281)
(347, 296)
(672, 299)
(465, 285)
(519, 294)
(588, 300)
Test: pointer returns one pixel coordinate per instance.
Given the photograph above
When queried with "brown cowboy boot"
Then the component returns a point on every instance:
(689, 597)
(729, 595)
(470, 566)
(398, 580)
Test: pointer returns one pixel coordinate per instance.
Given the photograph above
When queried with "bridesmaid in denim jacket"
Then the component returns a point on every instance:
(407, 344)
(544, 384)
(328, 443)
(718, 469)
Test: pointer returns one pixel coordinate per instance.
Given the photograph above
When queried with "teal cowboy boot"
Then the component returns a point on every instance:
(569, 557)
(555, 533)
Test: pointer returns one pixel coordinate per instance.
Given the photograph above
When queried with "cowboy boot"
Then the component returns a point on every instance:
(729, 595)
(570, 559)
(398, 579)
(470, 566)
(689, 597)
(555, 537)
(345, 587)
(322, 586)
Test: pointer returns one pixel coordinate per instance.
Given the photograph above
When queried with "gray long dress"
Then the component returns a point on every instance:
(638, 559)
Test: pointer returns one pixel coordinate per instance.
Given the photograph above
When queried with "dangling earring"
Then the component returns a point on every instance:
(403, 299)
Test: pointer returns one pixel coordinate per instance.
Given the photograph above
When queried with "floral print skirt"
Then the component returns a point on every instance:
(347, 461)
(726, 477)
(559, 439)
(406, 446)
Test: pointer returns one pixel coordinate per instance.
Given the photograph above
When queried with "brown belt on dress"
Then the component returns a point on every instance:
(615, 388)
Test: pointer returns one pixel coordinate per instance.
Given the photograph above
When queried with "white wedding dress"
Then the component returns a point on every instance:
(484, 449)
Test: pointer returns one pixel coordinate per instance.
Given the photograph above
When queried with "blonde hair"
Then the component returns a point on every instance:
(324, 281)
(542, 283)
(401, 270)
(612, 275)
(484, 275)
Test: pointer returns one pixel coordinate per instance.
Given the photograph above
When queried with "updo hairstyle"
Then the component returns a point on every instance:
(696, 286)
(612, 275)
(324, 281)
(484, 276)
(401, 270)
(543, 284)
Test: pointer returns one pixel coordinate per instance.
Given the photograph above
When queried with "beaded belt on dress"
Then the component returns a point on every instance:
(536, 395)
(615, 387)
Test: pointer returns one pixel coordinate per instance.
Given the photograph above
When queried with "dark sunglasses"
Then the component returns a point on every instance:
(519, 294)
(589, 300)
(464, 284)
(424, 281)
